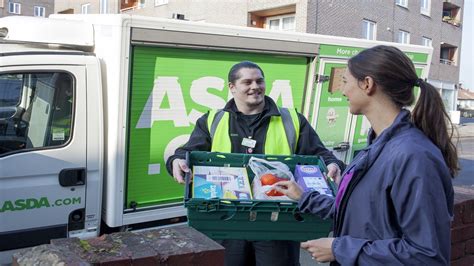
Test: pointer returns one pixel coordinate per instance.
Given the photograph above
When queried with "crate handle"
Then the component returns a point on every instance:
(270, 209)
(298, 217)
(207, 207)
(227, 217)
(252, 216)
(274, 216)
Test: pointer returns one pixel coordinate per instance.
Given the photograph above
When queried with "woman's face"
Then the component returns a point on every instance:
(354, 92)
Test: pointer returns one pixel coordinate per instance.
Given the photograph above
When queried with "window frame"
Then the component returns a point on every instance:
(85, 7)
(73, 109)
(368, 34)
(280, 21)
(425, 10)
(424, 41)
(403, 33)
(103, 4)
(14, 8)
(402, 3)
(42, 12)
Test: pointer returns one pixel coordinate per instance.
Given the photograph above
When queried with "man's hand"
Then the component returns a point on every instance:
(334, 172)
(320, 249)
(289, 188)
(179, 168)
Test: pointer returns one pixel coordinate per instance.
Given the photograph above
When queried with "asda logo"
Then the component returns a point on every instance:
(36, 203)
(169, 88)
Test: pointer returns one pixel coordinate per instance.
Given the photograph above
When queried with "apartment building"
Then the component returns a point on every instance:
(37, 8)
(436, 23)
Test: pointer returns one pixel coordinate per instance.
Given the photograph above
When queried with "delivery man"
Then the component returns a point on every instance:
(252, 123)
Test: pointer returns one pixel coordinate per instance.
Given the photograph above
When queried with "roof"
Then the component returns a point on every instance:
(464, 94)
(46, 31)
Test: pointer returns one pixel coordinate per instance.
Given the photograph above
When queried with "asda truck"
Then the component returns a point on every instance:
(91, 106)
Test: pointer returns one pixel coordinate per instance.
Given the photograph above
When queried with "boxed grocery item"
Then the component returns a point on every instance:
(221, 182)
(310, 178)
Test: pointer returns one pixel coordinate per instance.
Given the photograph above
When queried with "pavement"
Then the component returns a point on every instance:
(465, 146)
(464, 180)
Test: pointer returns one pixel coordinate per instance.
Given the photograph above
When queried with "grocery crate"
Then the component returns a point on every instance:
(252, 219)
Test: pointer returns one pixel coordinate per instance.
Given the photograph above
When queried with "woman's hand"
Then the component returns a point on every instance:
(334, 172)
(289, 188)
(320, 249)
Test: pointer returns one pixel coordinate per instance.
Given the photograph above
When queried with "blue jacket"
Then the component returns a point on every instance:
(397, 208)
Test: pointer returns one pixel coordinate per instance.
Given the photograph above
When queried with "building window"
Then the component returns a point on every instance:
(126, 5)
(39, 11)
(451, 14)
(425, 41)
(85, 8)
(103, 6)
(369, 30)
(403, 3)
(425, 7)
(284, 23)
(161, 2)
(403, 36)
(14, 8)
(448, 54)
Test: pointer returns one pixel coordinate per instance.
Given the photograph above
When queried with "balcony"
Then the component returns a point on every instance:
(446, 62)
(451, 14)
(128, 5)
(448, 54)
(279, 18)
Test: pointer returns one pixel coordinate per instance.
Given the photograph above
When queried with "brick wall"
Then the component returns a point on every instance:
(462, 228)
(185, 246)
(172, 246)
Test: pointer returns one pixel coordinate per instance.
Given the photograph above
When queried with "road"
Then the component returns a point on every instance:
(466, 153)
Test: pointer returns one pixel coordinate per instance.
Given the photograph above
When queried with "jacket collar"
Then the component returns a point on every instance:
(270, 108)
(376, 145)
(401, 122)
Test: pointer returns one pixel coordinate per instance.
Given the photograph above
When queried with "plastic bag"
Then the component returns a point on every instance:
(266, 174)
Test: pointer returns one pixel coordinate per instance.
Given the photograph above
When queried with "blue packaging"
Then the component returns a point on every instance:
(310, 178)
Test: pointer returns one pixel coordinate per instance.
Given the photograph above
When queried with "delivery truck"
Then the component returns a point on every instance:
(91, 106)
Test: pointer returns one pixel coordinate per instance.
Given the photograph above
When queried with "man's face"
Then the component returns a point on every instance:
(249, 88)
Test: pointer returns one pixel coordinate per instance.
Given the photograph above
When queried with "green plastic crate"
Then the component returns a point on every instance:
(252, 219)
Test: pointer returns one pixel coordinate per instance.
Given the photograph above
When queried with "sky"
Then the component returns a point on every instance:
(466, 74)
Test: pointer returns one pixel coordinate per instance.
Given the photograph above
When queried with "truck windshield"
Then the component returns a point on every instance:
(35, 110)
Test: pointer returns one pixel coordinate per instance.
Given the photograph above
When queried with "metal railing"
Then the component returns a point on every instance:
(447, 62)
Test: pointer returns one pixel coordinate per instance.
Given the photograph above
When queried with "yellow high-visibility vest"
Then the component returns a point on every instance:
(283, 129)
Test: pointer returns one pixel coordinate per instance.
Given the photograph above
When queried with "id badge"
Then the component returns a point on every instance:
(249, 142)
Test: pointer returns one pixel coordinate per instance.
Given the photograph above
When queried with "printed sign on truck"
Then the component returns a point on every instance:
(170, 89)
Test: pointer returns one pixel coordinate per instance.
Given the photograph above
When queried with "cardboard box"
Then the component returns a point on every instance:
(310, 178)
(221, 182)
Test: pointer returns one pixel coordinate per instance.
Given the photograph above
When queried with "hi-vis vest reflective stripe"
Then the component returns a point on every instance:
(282, 129)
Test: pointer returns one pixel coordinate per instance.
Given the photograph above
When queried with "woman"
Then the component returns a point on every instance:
(395, 200)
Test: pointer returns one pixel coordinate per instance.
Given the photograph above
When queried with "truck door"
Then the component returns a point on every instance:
(332, 119)
(361, 126)
(42, 153)
(339, 130)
